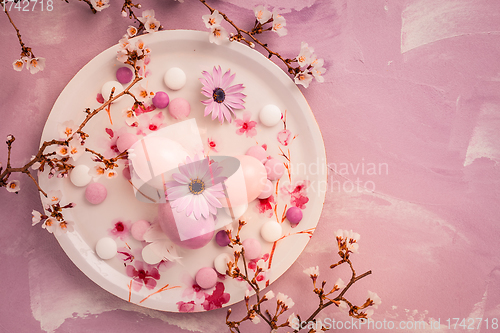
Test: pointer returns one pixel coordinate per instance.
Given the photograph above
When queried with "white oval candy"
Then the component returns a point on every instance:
(220, 263)
(108, 86)
(106, 248)
(79, 176)
(238, 211)
(175, 78)
(150, 256)
(271, 231)
(270, 115)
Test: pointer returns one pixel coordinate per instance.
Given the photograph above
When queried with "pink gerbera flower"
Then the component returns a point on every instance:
(196, 188)
(223, 97)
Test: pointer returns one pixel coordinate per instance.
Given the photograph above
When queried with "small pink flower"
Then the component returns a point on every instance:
(246, 126)
(121, 229)
(217, 298)
(212, 145)
(264, 206)
(284, 137)
(142, 274)
(297, 193)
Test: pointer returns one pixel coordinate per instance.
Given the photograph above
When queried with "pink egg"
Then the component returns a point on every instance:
(185, 231)
(161, 100)
(267, 191)
(124, 75)
(125, 141)
(252, 248)
(254, 174)
(275, 169)
(95, 193)
(139, 228)
(179, 108)
(258, 152)
(206, 277)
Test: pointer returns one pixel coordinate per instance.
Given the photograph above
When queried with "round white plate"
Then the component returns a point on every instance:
(265, 83)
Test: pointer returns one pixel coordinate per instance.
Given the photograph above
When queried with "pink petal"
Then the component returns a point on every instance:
(211, 199)
(190, 206)
(183, 203)
(234, 89)
(180, 178)
(251, 133)
(227, 79)
(227, 112)
(240, 131)
(209, 109)
(239, 122)
(149, 283)
(217, 76)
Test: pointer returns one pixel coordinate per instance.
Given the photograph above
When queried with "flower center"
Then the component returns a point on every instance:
(119, 227)
(219, 95)
(197, 186)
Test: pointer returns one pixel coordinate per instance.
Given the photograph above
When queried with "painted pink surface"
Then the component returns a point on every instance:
(410, 112)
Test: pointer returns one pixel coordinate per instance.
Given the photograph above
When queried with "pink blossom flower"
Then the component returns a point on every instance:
(64, 226)
(279, 24)
(142, 274)
(186, 306)
(100, 4)
(305, 55)
(217, 35)
(50, 224)
(264, 206)
(121, 229)
(151, 25)
(303, 78)
(18, 64)
(67, 129)
(284, 137)
(36, 64)
(217, 298)
(223, 97)
(131, 30)
(246, 126)
(297, 193)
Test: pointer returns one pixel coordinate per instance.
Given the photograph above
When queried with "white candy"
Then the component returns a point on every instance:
(271, 231)
(79, 176)
(238, 211)
(108, 86)
(175, 78)
(106, 248)
(149, 256)
(220, 263)
(270, 115)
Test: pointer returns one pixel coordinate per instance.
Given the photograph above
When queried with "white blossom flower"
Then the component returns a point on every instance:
(124, 44)
(124, 13)
(50, 224)
(292, 320)
(36, 217)
(339, 284)
(142, 94)
(111, 173)
(217, 35)
(212, 20)
(62, 151)
(279, 24)
(303, 78)
(369, 313)
(64, 226)
(131, 118)
(318, 72)
(255, 320)
(67, 129)
(375, 298)
(305, 55)
(350, 238)
(13, 186)
(151, 25)
(285, 300)
(237, 248)
(53, 197)
(312, 271)
(97, 171)
(75, 150)
(262, 14)
(18, 65)
(100, 4)
(343, 306)
(269, 294)
(147, 14)
(36, 64)
(9, 137)
(131, 30)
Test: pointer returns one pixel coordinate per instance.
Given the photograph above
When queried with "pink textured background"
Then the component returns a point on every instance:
(412, 86)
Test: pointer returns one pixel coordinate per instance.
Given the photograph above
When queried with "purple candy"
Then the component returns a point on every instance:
(124, 75)
(294, 215)
(222, 238)
(161, 100)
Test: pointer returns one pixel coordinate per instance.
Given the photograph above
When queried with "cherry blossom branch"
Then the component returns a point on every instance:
(25, 51)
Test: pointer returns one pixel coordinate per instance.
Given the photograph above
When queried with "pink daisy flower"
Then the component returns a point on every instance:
(196, 188)
(246, 126)
(223, 97)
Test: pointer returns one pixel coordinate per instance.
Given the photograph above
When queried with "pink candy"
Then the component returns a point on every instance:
(294, 215)
(206, 277)
(124, 75)
(139, 228)
(222, 238)
(267, 191)
(258, 152)
(179, 108)
(161, 100)
(95, 193)
(252, 248)
(275, 169)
